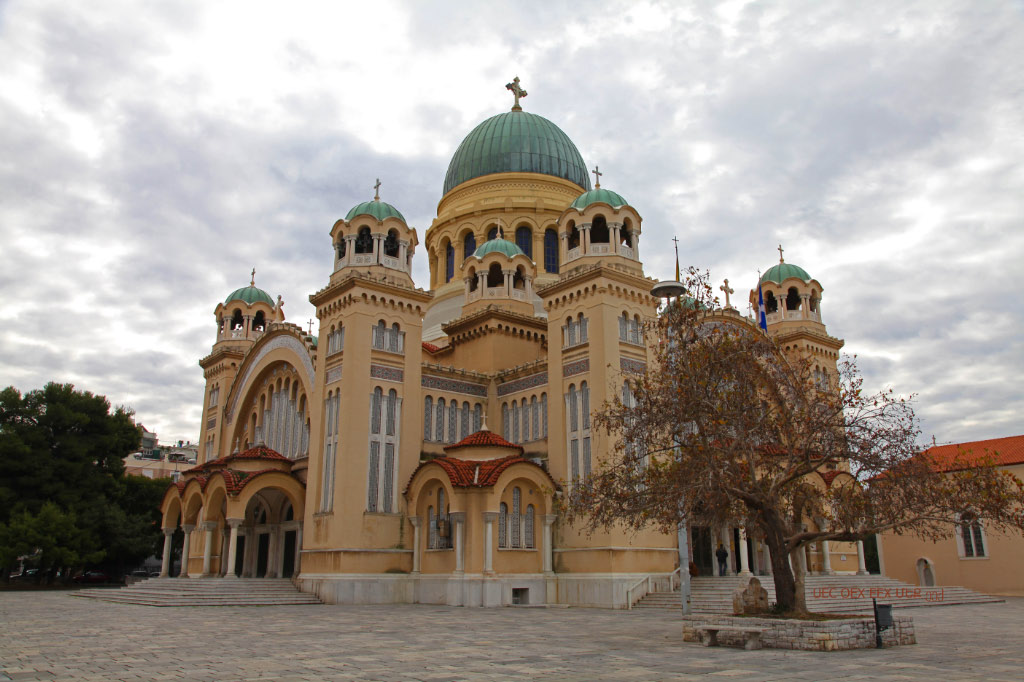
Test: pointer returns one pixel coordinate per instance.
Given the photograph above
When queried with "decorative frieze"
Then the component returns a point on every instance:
(571, 369)
(454, 385)
(333, 374)
(632, 366)
(387, 373)
(523, 384)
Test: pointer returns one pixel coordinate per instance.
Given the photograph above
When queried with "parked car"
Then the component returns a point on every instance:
(139, 573)
(27, 575)
(91, 577)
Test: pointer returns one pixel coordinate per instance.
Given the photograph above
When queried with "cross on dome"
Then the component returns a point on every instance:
(728, 290)
(252, 279)
(376, 190)
(517, 92)
(597, 177)
(780, 254)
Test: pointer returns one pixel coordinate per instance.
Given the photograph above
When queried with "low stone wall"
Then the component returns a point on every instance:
(808, 635)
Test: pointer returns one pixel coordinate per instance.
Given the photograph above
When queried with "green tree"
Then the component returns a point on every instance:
(64, 497)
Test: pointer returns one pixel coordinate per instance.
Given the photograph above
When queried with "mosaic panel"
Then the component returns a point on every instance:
(333, 374)
(578, 367)
(454, 385)
(632, 366)
(387, 373)
(522, 384)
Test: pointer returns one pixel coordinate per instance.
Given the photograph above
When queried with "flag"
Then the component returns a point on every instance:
(762, 319)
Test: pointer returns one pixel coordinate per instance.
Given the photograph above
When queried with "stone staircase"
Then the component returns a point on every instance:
(825, 594)
(204, 592)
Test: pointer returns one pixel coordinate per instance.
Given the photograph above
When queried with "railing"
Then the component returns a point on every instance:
(390, 262)
(600, 248)
(649, 582)
(625, 251)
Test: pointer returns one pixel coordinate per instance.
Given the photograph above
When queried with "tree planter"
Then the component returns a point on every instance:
(807, 635)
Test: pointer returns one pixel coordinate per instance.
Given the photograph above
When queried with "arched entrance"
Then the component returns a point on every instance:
(925, 572)
(270, 536)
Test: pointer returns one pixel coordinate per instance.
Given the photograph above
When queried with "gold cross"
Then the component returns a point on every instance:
(517, 92)
(376, 190)
(780, 254)
(727, 290)
(252, 282)
(597, 177)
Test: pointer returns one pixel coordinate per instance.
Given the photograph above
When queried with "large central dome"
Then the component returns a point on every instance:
(516, 142)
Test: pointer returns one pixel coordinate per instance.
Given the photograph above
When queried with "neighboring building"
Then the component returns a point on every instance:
(975, 557)
(361, 461)
(162, 461)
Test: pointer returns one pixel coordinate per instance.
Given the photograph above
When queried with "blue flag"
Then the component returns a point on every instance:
(762, 319)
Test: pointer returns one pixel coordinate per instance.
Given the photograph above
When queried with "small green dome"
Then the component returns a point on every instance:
(250, 294)
(376, 208)
(613, 199)
(501, 246)
(516, 142)
(783, 271)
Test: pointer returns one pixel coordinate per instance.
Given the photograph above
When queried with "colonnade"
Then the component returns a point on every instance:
(275, 566)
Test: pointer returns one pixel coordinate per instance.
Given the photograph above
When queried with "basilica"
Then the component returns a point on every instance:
(415, 450)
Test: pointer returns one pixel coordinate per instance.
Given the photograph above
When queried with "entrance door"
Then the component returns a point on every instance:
(701, 545)
(262, 555)
(289, 554)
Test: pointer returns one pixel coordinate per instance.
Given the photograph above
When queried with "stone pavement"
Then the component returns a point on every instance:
(51, 636)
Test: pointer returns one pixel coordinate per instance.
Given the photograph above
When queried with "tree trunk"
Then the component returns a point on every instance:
(785, 587)
(799, 570)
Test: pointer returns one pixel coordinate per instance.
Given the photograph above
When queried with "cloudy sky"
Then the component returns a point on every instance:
(152, 153)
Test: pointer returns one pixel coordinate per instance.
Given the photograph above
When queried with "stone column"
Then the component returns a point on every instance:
(165, 562)
(508, 282)
(415, 521)
(826, 567)
(805, 306)
(350, 248)
(459, 519)
(585, 238)
(208, 549)
(184, 550)
(297, 564)
(547, 547)
(744, 567)
(615, 236)
(563, 247)
(377, 250)
(403, 247)
(489, 519)
(862, 568)
(232, 548)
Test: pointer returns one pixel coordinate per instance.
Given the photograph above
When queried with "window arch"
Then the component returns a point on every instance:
(599, 230)
(465, 421)
(453, 418)
(503, 525)
(524, 240)
(237, 321)
(492, 233)
(428, 415)
(495, 277)
(391, 243)
(550, 251)
(528, 533)
(513, 520)
(439, 433)
(518, 280)
(341, 247)
(449, 262)
(364, 241)
(258, 322)
(574, 236)
(792, 299)
(478, 413)
(468, 245)
(971, 536)
(770, 304)
(506, 424)
(526, 421)
(535, 412)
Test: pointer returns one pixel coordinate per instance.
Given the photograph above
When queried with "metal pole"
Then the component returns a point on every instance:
(684, 568)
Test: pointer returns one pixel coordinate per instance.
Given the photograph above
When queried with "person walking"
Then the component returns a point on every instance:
(722, 553)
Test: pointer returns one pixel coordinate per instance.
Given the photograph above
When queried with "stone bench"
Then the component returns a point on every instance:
(751, 635)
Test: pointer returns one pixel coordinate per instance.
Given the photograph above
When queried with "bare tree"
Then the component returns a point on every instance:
(726, 428)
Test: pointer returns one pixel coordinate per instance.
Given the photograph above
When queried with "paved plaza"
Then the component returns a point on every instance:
(52, 636)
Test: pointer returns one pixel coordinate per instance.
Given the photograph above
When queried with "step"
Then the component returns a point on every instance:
(205, 592)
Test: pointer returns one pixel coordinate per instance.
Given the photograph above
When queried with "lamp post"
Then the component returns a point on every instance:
(669, 290)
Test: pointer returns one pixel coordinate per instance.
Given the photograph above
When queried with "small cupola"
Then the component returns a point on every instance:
(599, 223)
(500, 273)
(790, 294)
(374, 234)
(246, 313)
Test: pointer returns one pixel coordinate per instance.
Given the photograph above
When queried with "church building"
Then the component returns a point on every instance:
(416, 449)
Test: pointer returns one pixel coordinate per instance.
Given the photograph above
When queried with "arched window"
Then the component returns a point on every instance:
(439, 433)
(237, 321)
(341, 246)
(503, 525)
(574, 237)
(582, 324)
(972, 536)
(468, 245)
(432, 539)
(394, 337)
(573, 409)
(391, 243)
(390, 421)
(506, 423)
(258, 322)
(792, 299)
(364, 241)
(492, 233)
(770, 304)
(513, 521)
(518, 281)
(550, 251)
(524, 240)
(428, 417)
(474, 281)
(449, 262)
(444, 540)
(585, 402)
(495, 277)
(599, 230)
(526, 421)
(634, 330)
(624, 235)
(453, 417)
(528, 542)
(814, 303)
(464, 426)
(375, 405)
(477, 417)
(544, 415)
(535, 411)
(624, 327)
(515, 421)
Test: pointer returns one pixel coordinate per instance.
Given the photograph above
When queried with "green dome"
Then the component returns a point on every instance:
(377, 208)
(516, 142)
(501, 246)
(250, 294)
(613, 199)
(783, 271)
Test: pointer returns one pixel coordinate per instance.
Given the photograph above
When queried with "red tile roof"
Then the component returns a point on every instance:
(258, 452)
(956, 456)
(469, 474)
(430, 348)
(829, 476)
(484, 439)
